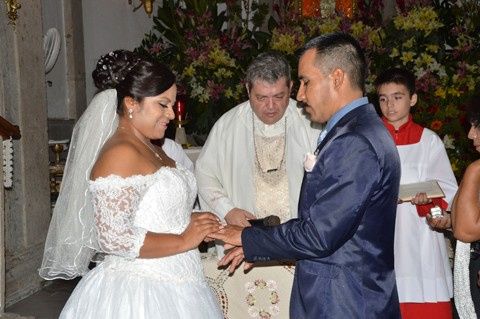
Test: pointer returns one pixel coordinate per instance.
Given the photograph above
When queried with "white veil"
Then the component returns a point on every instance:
(71, 241)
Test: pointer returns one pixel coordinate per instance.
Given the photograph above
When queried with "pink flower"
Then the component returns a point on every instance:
(426, 83)
(215, 90)
(156, 48)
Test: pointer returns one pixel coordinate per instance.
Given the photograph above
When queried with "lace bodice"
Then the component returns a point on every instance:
(126, 208)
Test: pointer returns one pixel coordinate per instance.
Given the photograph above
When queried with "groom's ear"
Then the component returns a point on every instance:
(338, 77)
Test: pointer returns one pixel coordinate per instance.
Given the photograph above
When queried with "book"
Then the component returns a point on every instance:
(431, 188)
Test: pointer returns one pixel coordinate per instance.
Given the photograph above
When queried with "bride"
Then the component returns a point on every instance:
(125, 204)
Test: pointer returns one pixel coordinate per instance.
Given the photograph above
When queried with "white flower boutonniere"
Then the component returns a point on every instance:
(309, 161)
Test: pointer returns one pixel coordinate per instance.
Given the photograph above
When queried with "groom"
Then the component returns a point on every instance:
(343, 238)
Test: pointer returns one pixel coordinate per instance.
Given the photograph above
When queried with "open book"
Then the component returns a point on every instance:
(431, 188)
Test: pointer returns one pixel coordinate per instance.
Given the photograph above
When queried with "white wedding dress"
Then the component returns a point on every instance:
(125, 286)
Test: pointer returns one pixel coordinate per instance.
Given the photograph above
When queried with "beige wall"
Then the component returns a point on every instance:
(109, 25)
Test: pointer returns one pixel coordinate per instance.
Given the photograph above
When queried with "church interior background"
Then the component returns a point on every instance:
(44, 95)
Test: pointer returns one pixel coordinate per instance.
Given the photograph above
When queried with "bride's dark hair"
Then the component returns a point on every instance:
(131, 75)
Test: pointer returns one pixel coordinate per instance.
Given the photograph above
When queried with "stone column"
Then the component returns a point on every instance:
(27, 204)
(2, 231)
(66, 97)
(66, 80)
(75, 58)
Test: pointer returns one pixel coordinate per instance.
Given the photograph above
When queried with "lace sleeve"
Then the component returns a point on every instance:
(114, 211)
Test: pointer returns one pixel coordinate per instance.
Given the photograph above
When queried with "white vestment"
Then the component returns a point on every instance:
(225, 167)
(422, 268)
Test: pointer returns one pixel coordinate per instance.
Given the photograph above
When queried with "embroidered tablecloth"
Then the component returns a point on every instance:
(263, 292)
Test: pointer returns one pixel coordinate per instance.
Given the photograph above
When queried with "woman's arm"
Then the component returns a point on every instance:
(466, 206)
(160, 245)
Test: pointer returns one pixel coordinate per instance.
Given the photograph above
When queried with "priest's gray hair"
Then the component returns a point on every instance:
(268, 67)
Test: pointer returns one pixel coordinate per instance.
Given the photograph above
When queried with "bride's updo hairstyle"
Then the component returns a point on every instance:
(131, 75)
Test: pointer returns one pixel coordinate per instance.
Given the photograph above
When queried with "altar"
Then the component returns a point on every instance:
(262, 292)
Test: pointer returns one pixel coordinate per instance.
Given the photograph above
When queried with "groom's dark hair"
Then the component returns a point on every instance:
(339, 50)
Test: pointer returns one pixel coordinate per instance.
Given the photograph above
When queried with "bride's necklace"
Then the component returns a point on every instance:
(153, 151)
(284, 147)
(145, 143)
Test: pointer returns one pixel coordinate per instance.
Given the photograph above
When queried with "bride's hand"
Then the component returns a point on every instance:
(201, 225)
(229, 234)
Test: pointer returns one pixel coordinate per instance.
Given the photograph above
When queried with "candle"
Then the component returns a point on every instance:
(179, 109)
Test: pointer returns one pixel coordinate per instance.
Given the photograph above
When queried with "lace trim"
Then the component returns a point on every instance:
(133, 180)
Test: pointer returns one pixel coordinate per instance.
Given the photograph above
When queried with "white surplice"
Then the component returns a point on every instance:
(422, 268)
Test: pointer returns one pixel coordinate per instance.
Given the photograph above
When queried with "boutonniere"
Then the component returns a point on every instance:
(309, 161)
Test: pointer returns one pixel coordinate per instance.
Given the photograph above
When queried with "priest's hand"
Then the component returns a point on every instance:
(229, 234)
(233, 258)
(239, 217)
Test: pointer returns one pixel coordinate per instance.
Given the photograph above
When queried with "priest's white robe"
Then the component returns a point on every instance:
(225, 167)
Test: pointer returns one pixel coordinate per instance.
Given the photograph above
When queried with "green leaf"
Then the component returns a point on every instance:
(263, 39)
(272, 24)
(164, 18)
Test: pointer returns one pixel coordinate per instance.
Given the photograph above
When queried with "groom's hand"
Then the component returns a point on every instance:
(234, 258)
(229, 234)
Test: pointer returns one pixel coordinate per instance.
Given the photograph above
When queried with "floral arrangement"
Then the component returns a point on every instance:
(439, 43)
(209, 44)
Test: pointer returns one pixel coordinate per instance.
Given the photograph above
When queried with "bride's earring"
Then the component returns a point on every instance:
(130, 113)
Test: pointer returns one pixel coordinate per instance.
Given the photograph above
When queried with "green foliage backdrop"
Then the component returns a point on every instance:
(210, 48)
